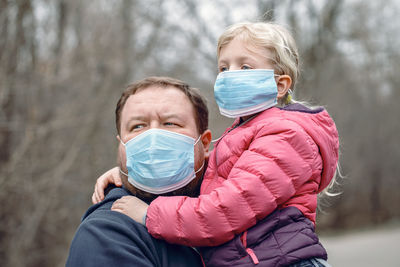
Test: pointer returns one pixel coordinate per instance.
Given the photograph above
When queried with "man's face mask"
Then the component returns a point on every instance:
(160, 161)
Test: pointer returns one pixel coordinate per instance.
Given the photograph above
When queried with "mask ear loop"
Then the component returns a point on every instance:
(197, 140)
(202, 166)
(216, 140)
(121, 171)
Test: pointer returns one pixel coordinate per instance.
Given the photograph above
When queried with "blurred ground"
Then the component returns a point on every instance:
(372, 248)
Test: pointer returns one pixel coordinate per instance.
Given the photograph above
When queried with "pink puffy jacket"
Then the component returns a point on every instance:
(280, 158)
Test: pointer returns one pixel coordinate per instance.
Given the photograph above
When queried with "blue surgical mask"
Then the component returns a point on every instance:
(160, 161)
(245, 92)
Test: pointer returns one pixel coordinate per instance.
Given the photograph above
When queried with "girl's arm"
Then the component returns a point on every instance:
(266, 175)
(109, 177)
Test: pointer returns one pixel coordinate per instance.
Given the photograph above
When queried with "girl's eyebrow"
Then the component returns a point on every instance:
(241, 58)
(247, 57)
(221, 61)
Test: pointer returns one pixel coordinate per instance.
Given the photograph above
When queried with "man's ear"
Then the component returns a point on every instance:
(283, 83)
(120, 143)
(206, 140)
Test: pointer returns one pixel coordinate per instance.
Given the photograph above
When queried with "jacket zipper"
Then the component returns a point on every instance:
(226, 133)
(249, 251)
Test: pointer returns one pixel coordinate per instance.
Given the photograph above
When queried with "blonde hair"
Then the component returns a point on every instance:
(272, 37)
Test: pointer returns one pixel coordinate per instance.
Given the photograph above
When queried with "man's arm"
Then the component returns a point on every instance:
(109, 238)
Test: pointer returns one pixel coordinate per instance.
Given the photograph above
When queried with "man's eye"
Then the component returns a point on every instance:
(170, 124)
(137, 127)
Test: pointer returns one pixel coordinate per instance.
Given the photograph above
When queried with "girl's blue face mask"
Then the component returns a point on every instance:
(245, 92)
(160, 161)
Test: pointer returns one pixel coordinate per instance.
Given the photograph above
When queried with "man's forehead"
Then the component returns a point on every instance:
(158, 92)
(169, 101)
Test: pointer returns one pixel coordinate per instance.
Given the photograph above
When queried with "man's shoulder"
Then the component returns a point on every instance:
(102, 207)
(98, 239)
(100, 219)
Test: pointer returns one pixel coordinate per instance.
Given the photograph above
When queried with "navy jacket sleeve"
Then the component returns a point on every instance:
(109, 238)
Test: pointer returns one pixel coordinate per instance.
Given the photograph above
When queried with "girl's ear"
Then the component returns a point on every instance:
(283, 83)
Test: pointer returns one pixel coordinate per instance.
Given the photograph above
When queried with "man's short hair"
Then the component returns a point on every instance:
(198, 101)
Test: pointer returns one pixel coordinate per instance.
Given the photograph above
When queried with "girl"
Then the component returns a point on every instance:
(260, 189)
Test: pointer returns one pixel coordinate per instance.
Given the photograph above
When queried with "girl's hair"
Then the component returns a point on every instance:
(272, 37)
(334, 189)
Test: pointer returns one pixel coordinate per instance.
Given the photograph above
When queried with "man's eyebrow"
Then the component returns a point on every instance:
(171, 116)
(135, 118)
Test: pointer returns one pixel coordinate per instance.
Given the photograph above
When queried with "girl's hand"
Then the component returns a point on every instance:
(109, 177)
(132, 207)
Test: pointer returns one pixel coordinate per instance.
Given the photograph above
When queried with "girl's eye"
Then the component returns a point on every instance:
(222, 69)
(246, 67)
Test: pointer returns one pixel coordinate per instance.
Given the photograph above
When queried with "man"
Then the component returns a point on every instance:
(109, 238)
